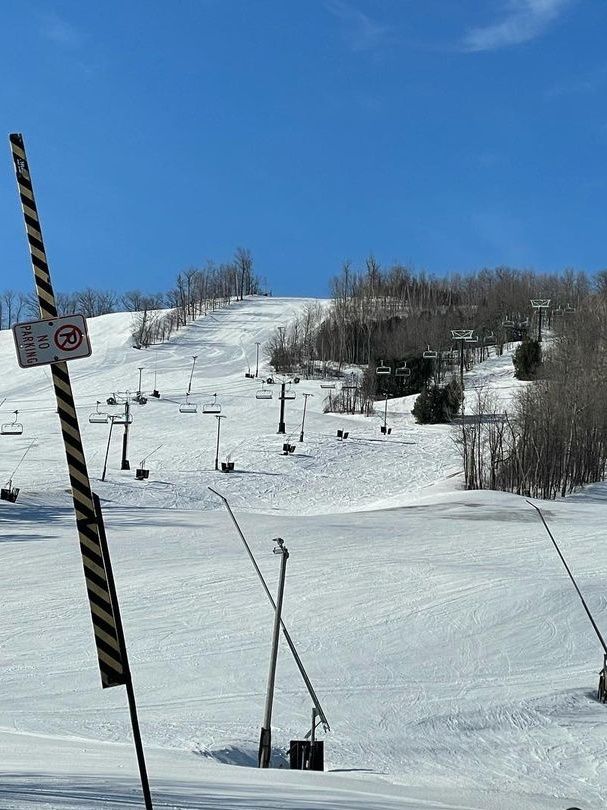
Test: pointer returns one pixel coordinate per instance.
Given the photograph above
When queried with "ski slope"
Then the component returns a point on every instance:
(455, 666)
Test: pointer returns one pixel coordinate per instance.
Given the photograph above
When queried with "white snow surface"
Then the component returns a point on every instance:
(449, 651)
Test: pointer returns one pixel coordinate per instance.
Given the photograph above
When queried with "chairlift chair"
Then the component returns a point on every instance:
(212, 407)
(509, 324)
(289, 394)
(430, 354)
(187, 406)
(263, 393)
(13, 428)
(402, 371)
(327, 385)
(141, 473)
(98, 417)
(385, 430)
(381, 369)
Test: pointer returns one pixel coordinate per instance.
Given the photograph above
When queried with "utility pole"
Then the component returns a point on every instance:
(219, 418)
(257, 360)
(540, 304)
(124, 464)
(281, 421)
(462, 335)
(194, 356)
(301, 435)
(386, 415)
(265, 738)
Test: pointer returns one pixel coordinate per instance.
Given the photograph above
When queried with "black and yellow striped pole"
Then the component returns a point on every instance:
(109, 640)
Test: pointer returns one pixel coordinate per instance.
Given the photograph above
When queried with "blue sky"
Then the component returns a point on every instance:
(446, 134)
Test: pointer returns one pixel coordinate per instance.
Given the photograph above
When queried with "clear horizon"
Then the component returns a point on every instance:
(447, 138)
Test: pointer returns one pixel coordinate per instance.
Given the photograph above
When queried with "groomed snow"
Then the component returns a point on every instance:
(449, 651)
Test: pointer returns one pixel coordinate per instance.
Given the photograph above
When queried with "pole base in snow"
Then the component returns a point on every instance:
(125, 465)
(265, 748)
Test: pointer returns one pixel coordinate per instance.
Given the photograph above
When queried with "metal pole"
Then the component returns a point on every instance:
(301, 435)
(539, 325)
(108, 648)
(124, 464)
(107, 449)
(219, 418)
(265, 738)
(194, 356)
(579, 593)
(128, 681)
(386, 415)
(288, 638)
(461, 363)
(257, 361)
(281, 422)
(139, 388)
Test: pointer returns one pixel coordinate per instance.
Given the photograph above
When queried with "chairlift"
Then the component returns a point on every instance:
(249, 375)
(187, 406)
(288, 449)
(155, 393)
(327, 385)
(13, 428)
(212, 407)
(381, 369)
(288, 394)
(343, 434)
(489, 339)
(98, 417)
(227, 466)
(263, 393)
(508, 323)
(430, 354)
(9, 492)
(402, 371)
(386, 430)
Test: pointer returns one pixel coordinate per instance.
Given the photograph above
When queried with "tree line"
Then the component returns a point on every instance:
(553, 439)
(156, 315)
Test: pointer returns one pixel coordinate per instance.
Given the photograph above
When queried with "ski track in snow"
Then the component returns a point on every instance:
(451, 656)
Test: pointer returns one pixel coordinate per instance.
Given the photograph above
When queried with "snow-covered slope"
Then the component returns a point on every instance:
(452, 659)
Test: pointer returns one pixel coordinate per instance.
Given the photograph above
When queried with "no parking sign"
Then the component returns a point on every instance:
(52, 340)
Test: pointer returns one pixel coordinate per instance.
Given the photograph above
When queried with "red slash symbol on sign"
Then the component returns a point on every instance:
(68, 337)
